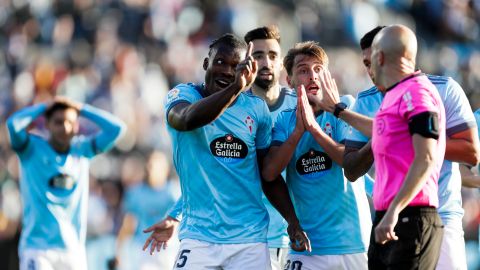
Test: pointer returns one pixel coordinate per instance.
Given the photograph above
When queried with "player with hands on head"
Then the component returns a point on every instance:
(54, 180)
(220, 136)
(308, 142)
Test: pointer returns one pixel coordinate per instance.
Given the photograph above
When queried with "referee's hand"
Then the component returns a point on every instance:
(384, 231)
(298, 238)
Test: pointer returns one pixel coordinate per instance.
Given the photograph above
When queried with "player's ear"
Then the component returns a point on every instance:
(381, 58)
(289, 81)
(205, 63)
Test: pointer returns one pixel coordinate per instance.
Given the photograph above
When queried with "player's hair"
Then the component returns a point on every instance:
(58, 106)
(265, 32)
(367, 39)
(228, 40)
(310, 48)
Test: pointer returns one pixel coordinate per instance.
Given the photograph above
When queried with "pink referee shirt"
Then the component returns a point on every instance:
(392, 143)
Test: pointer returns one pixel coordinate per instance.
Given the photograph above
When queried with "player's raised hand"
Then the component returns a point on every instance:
(330, 95)
(298, 238)
(67, 101)
(299, 126)
(384, 231)
(161, 233)
(246, 70)
(309, 119)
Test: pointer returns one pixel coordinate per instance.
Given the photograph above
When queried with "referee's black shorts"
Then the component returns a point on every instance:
(419, 231)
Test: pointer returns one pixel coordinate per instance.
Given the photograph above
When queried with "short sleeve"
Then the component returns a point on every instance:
(182, 93)
(281, 130)
(367, 104)
(343, 127)
(263, 137)
(459, 115)
(417, 100)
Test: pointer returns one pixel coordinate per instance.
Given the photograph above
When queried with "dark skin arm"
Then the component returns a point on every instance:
(277, 193)
(357, 162)
(186, 116)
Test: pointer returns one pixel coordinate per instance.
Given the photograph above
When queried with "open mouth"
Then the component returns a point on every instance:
(312, 89)
(222, 83)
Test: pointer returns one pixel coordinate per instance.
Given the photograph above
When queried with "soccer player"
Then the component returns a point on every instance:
(220, 136)
(267, 53)
(308, 143)
(461, 147)
(54, 180)
(144, 204)
(469, 178)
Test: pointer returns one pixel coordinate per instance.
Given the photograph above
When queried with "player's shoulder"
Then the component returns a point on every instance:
(288, 91)
(188, 88)
(347, 99)
(439, 80)
(251, 97)
(368, 93)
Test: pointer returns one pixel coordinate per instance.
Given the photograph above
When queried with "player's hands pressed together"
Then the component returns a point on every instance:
(246, 70)
(329, 89)
(384, 231)
(161, 233)
(300, 125)
(298, 238)
(308, 116)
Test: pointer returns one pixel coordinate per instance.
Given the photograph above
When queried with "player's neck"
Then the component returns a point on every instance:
(270, 95)
(59, 147)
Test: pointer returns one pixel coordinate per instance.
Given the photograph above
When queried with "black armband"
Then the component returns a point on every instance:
(424, 124)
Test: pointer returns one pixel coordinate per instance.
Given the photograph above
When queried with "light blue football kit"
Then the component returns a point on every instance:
(333, 211)
(54, 186)
(218, 170)
(277, 236)
(459, 117)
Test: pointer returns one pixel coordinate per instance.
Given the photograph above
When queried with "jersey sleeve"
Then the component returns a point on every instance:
(459, 115)
(342, 126)
(182, 93)
(353, 137)
(415, 101)
(263, 137)
(280, 131)
(176, 210)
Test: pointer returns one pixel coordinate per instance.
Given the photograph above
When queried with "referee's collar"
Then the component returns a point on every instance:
(413, 75)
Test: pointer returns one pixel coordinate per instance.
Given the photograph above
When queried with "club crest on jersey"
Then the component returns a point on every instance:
(249, 122)
(328, 129)
(229, 149)
(313, 164)
(173, 94)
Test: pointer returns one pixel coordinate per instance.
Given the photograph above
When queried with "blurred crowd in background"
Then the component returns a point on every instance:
(124, 55)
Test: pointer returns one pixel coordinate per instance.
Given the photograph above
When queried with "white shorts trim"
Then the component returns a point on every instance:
(199, 255)
(356, 261)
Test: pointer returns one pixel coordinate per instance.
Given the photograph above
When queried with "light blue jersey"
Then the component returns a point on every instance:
(459, 118)
(333, 211)
(218, 170)
(148, 205)
(277, 228)
(54, 186)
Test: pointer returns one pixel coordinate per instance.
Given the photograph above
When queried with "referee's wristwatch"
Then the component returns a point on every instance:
(339, 107)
